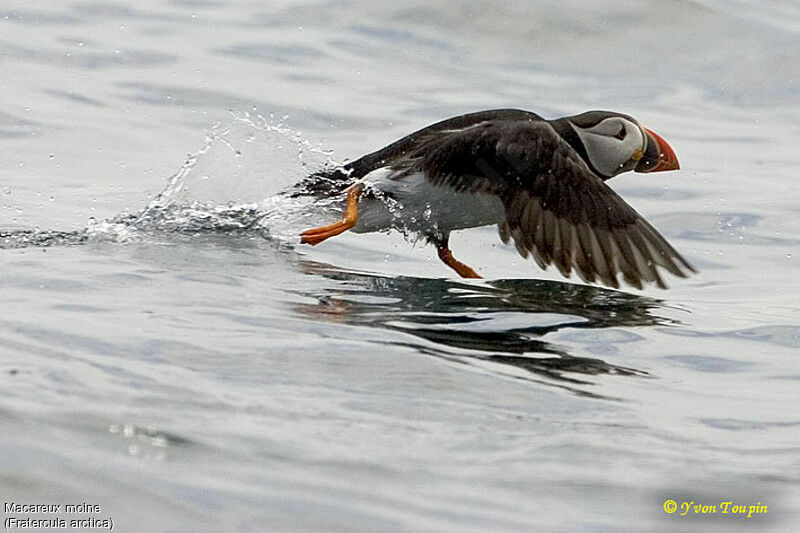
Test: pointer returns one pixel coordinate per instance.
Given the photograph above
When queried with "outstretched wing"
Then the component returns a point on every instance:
(557, 210)
(396, 152)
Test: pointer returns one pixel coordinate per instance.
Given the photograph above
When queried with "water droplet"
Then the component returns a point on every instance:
(6, 190)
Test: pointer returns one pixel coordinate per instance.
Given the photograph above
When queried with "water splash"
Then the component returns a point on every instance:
(236, 183)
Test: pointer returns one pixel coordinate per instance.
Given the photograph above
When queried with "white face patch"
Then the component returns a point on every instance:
(611, 144)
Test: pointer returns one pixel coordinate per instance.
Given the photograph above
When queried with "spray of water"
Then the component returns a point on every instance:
(236, 183)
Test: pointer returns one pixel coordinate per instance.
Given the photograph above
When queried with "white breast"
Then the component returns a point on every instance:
(413, 205)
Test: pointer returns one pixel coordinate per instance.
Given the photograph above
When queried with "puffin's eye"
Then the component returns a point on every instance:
(622, 133)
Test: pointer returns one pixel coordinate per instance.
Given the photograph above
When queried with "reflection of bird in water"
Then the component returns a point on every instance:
(503, 322)
(542, 181)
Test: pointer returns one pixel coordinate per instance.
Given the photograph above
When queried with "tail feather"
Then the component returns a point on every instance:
(323, 183)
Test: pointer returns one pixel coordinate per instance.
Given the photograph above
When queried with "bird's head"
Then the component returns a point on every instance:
(612, 143)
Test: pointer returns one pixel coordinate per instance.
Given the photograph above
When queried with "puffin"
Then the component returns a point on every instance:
(542, 182)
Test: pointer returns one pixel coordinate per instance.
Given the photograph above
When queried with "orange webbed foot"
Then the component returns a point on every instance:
(315, 236)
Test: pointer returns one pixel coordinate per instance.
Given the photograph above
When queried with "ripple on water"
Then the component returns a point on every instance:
(148, 443)
(705, 363)
(781, 335)
(730, 228)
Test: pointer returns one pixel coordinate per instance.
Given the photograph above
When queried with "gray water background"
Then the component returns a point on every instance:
(168, 352)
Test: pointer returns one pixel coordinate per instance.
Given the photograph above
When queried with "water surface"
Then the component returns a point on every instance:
(170, 353)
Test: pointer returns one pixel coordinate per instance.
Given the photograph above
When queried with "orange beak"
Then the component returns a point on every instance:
(666, 158)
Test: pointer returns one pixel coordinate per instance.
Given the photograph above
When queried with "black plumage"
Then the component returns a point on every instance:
(558, 209)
